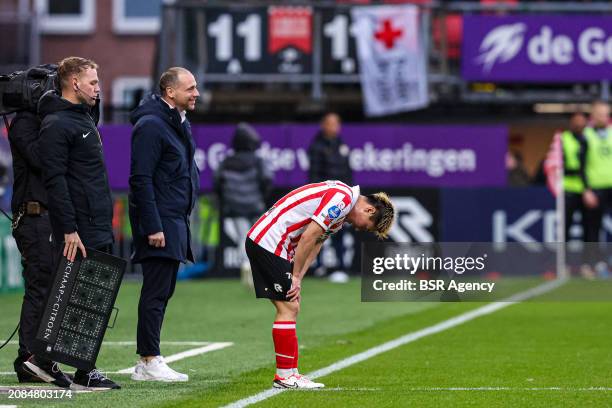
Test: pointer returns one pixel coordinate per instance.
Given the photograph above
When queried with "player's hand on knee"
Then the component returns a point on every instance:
(293, 295)
(157, 240)
(72, 245)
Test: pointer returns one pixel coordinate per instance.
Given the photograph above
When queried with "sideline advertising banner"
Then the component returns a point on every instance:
(512, 214)
(380, 155)
(498, 215)
(537, 48)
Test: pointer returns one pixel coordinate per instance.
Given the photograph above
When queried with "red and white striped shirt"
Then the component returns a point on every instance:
(280, 228)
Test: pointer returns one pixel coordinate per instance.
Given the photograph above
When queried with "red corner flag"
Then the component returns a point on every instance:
(553, 166)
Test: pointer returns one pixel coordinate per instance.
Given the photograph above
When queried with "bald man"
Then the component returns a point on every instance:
(164, 184)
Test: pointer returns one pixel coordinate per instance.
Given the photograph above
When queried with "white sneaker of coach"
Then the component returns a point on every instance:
(156, 370)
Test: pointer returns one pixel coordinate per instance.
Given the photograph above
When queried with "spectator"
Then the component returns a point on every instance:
(573, 144)
(597, 176)
(243, 181)
(597, 172)
(517, 175)
(329, 160)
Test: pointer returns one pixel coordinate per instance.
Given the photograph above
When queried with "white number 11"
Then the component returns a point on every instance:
(249, 29)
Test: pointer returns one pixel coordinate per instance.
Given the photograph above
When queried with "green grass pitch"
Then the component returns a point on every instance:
(533, 354)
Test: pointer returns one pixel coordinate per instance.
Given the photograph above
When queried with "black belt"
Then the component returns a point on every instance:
(30, 208)
(33, 208)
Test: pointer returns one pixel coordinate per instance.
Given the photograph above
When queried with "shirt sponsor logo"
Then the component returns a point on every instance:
(334, 212)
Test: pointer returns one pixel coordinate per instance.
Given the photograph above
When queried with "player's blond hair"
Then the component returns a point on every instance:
(384, 215)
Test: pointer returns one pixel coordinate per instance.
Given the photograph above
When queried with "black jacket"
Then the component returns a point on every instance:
(242, 181)
(27, 170)
(74, 172)
(329, 160)
(164, 180)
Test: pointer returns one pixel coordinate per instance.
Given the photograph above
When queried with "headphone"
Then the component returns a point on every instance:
(93, 98)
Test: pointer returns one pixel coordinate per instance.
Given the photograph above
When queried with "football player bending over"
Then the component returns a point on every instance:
(285, 241)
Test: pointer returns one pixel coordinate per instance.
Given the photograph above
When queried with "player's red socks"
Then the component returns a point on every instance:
(285, 347)
(295, 356)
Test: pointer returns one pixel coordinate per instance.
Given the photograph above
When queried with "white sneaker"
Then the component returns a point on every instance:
(305, 382)
(295, 381)
(156, 370)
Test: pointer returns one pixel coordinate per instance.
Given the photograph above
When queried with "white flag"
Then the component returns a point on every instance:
(392, 58)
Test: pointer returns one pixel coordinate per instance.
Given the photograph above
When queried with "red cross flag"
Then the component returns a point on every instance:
(392, 58)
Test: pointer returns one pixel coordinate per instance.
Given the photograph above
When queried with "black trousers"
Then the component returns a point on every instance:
(33, 238)
(593, 219)
(158, 283)
(573, 204)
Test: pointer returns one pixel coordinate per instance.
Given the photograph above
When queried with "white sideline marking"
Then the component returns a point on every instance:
(510, 389)
(605, 389)
(345, 389)
(408, 338)
(184, 354)
(169, 359)
(133, 343)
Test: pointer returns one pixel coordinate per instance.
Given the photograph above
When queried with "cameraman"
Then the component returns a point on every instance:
(32, 232)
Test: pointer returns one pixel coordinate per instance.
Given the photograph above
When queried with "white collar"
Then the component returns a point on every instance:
(182, 113)
(356, 192)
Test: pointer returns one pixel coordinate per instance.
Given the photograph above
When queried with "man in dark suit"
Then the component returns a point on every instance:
(164, 183)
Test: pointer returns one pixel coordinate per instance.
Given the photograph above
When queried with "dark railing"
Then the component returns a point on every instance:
(185, 39)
